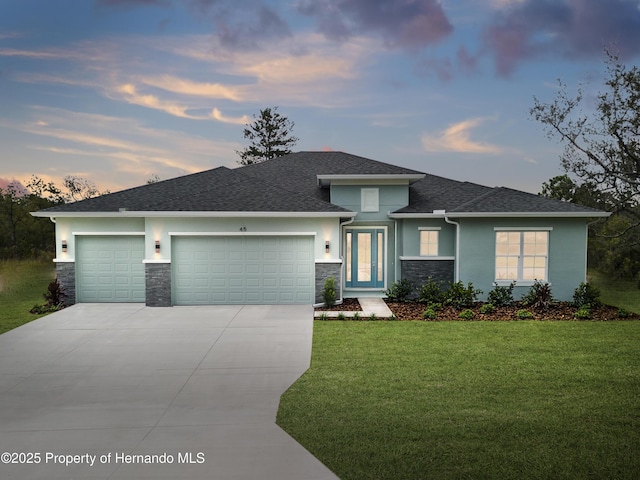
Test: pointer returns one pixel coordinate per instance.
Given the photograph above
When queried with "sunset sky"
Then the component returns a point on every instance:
(118, 91)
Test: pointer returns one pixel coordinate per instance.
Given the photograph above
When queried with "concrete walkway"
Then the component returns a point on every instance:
(129, 392)
(370, 306)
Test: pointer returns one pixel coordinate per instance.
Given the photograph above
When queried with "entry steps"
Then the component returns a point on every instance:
(370, 306)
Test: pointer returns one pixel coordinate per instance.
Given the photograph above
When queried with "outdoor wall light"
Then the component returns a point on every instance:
(326, 246)
(157, 246)
(64, 246)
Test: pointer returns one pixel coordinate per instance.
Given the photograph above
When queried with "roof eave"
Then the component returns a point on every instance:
(594, 214)
(216, 214)
(325, 180)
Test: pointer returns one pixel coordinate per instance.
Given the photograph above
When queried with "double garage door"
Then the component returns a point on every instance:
(242, 270)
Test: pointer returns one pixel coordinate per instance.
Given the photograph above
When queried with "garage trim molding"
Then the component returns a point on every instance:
(240, 234)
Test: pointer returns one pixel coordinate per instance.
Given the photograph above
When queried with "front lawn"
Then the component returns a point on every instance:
(22, 283)
(444, 400)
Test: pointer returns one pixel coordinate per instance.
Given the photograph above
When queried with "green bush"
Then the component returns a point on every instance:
(431, 292)
(429, 314)
(539, 296)
(329, 295)
(400, 291)
(487, 308)
(356, 316)
(322, 316)
(341, 316)
(524, 314)
(586, 295)
(467, 314)
(501, 296)
(372, 317)
(583, 313)
(459, 296)
(622, 313)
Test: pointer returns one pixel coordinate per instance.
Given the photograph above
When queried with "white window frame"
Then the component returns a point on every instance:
(437, 243)
(370, 199)
(520, 280)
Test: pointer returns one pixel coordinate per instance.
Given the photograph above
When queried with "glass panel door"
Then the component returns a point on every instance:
(364, 258)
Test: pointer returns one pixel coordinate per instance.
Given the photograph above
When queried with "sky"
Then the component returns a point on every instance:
(120, 91)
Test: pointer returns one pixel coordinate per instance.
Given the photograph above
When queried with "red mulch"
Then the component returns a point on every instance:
(347, 305)
(557, 311)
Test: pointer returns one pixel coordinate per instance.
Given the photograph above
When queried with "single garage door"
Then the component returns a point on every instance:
(232, 270)
(110, 269)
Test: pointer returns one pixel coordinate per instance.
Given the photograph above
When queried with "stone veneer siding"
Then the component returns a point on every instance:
(66, 275)
(158, 284)
(419, 271)
(324, 271)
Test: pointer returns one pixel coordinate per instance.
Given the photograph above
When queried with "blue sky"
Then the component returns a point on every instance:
(117, 91)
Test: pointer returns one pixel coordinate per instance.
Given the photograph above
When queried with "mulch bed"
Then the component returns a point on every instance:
(557, 311)
(347, 305)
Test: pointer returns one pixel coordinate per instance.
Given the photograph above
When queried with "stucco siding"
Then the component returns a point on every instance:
(390, 198)
(410, 245)
(566, 257)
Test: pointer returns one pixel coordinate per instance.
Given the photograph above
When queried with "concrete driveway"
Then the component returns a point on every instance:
(122, 391)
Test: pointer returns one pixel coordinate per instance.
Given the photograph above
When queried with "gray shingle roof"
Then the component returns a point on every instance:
(290, 184)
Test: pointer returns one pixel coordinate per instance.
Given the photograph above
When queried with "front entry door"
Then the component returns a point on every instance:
(365, 259)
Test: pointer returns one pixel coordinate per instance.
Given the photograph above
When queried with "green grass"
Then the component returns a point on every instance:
(479, 400)
(621, 293)
(22, 283)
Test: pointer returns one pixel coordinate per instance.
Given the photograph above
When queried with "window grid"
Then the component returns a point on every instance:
(428, 243)
(521, 255)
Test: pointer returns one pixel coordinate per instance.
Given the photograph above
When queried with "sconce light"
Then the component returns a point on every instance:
(64, 246)
(326, 246)
(157, 246)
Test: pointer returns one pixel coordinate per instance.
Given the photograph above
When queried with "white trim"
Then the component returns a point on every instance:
(66, 260)
(242, 234)
(157, 261)
(502, 215)
(429, 229)
(127, 234)
(522, 229)
(216, 214)
(427, 258)
(329, 260)
(351, 179)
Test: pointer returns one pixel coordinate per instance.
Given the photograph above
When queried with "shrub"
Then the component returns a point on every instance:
(341, 316)
(373, 317)
(400, 291)
(459, 296)
(501, 296)
(539, 296)
(54, 296)
(586, 295)
(429, 314)
(622, 313)
(431, 292)
(322, 316)
(467, 314)
(583, 313)
(356, 316)
(329, 293)
(524, 314)
(487, 308)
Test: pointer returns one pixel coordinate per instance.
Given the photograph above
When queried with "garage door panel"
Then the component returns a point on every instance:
(110, 269)
(246, 270)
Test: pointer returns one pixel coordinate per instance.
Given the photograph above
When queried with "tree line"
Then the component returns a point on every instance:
(25, 236)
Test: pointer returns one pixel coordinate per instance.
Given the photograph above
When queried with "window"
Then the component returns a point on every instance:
(522, 255)
(429, 242)
(369, 200)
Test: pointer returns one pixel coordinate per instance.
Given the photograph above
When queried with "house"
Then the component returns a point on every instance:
(273, 232)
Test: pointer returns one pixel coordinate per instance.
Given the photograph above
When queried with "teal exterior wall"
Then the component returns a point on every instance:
(410, 236)
(391, 198)
(566, 260)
